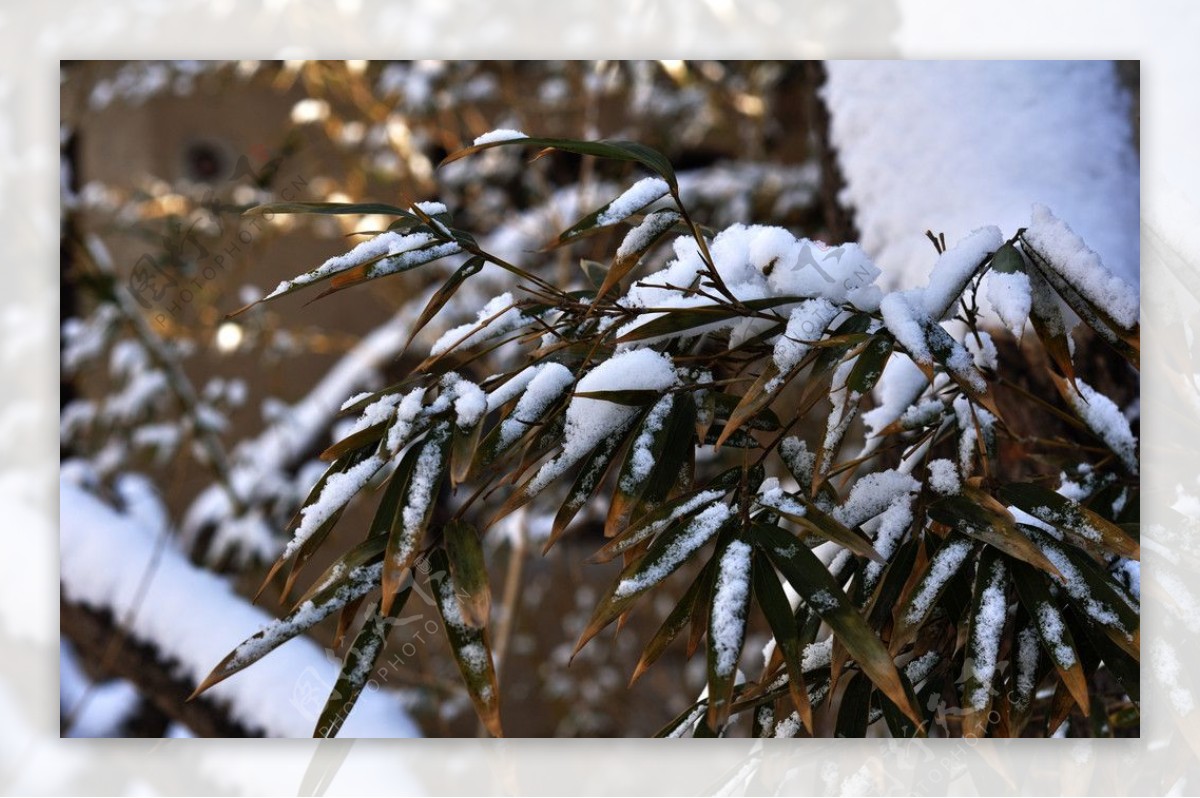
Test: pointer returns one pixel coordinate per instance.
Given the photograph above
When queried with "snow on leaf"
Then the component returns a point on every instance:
(590, 421)
(1069, 256)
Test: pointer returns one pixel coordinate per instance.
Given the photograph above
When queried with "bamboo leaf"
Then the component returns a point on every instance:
(444, 294)
(357, 667)
(424, 471)
(975, 513)
(1057, 640)
(666, 553)
(673, 321)
(1071, 517)
(675, 622)
(354, 585)
(469, 645)
(469, 570)
(809, 577)
(636, 244)
(613, 150)
(988, 616)
(727, 615)
(775, 608)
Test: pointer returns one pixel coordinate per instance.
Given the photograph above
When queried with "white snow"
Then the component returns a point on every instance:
(1010, 297)
(903, 317)
(1104, 418)
(1028, 653)
(697, 532)
(339, 489)
(805, 326)
(547, 384)
(641, 455)
(1052, 626)
(954, 269)
(193, 617)
(590, 421)
(943, 477)
(499, 134)
(1069, 256)
(948, 146)
(944, 565)
(900, 385)
(638, 238)
(986, 629)
(729, 606)
(497, 317)
(874, 493)
(422, 491)
(470, 402)
(756, 262)
(636, 197)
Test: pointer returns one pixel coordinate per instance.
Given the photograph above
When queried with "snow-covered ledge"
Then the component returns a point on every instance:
(192, 617)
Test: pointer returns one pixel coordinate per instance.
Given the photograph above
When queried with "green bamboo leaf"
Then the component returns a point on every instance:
(1092, 591)
(1057, 640)
(470, 646)
(1125, 342)
(636, 244)
(675, 622)
(869, 364)
(668, 551)
(1085, 526)
(679, 510)
(1049, 324)
(355, 584)
(653, 462)
(596, 220)
(443, 295)
(357, 667)
(672, 321)
(330, 208)
(469, 570)
(591, 475)
(812, 519)
(1008, 260)
(809, 577)
(425, 472)
(855, 708)
(366, 553)
(975, 513)
(613, 150)
(775, 608)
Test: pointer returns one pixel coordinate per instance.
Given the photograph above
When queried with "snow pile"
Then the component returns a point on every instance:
(1104, 418)
(756, 262)
(192, 617)
(949, 145)
(1070, 258)
(1009, 295)
(590, 421)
